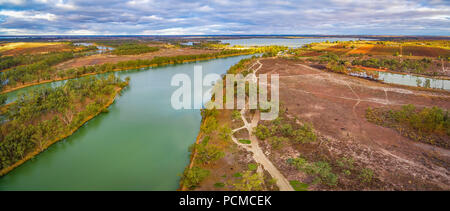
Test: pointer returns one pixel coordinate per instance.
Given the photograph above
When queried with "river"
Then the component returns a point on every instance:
(141, 144)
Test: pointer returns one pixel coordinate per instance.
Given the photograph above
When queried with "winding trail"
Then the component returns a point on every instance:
(258, 155)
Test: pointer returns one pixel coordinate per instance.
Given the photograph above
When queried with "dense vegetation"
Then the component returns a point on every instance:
(43, 70)
(192, 177)
(428, 125)
(130, 49)
(281, 130)
(28, 59)
(405, 65)
(45, 115)
(320, 170)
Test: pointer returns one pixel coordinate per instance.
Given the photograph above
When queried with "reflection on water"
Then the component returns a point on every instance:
(404, 79)
(412, 80)
(101, 49)
(140, 144)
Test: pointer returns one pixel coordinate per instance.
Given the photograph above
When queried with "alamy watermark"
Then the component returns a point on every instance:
(250, 87)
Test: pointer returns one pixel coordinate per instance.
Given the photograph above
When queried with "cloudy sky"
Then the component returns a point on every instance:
(175, 17)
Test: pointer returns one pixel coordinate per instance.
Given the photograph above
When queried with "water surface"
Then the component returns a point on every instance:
(141, 144)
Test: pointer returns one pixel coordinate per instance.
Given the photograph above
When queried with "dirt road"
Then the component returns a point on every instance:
(258, 155)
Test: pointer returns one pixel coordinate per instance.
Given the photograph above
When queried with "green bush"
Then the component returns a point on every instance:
(245, 141)
(252, 166)
(192, 177)
(236, 115)
(305, 134)
(132, 48)
(249, 181)
(207, 153)
(277, 142)
(298, 186)
(320, 169)
(209, 125)
(429, 125)
(366, 175)
(262, 132)
(219, 185)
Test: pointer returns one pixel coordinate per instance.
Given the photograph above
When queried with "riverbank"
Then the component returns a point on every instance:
(34, 153)
(121, 69)
(220, 162)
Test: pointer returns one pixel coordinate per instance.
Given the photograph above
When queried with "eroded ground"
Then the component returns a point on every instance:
(335, 104)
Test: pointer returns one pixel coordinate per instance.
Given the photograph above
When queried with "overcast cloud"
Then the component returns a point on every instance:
(175, 17)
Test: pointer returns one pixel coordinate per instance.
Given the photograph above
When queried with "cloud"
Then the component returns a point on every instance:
(13, 2)
(28, 15)
(225, 17)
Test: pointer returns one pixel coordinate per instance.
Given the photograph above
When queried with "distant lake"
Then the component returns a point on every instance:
(292, 43)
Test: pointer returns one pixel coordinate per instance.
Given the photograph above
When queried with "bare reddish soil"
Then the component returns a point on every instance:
(425, 51)
(335, 104)
(109, 58)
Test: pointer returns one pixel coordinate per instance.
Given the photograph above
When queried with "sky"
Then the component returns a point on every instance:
(224, 17)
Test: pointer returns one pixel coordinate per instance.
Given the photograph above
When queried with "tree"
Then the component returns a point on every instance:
(193, 176)
(249, 182)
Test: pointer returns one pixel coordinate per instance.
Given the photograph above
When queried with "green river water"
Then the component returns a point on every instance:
(141, 144)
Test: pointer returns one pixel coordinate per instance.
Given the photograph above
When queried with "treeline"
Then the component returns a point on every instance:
(37, 67)
(7, 62)
(42, 116)
(272, 50)
(36, 71)
(428, 125)
(44, 71)
(132, 48)
(406, 65)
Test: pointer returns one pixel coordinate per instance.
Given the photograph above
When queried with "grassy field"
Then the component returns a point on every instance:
(10, 46)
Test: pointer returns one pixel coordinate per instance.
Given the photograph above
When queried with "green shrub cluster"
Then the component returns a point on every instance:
(44, 114)
(193, 176)
(320, 169)
(133, 48)
(430, 125)
(405, 65)
(279, 131)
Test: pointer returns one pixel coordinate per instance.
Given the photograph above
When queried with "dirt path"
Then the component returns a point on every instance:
(258, 155)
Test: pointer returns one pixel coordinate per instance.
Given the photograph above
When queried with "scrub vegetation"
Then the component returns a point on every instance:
(130, 49)
(427, 57)
(427, 125)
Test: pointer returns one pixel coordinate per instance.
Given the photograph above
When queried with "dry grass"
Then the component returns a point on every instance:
(10, 46)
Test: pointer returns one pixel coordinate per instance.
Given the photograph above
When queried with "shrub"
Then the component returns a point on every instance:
(320, 169)
(249, 182)
(366, 175)
(277, 142)
(131, 48)
(262, 132)
(209, 125)
(252, 166)
(298, 186)
(245, 141)
(236, 115)
(207, 153)
(219, 185)
(192, 177)
(286, 130)
(305, 134)
(225, 133)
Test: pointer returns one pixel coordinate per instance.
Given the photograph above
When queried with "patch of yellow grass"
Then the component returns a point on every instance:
(14, 45)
